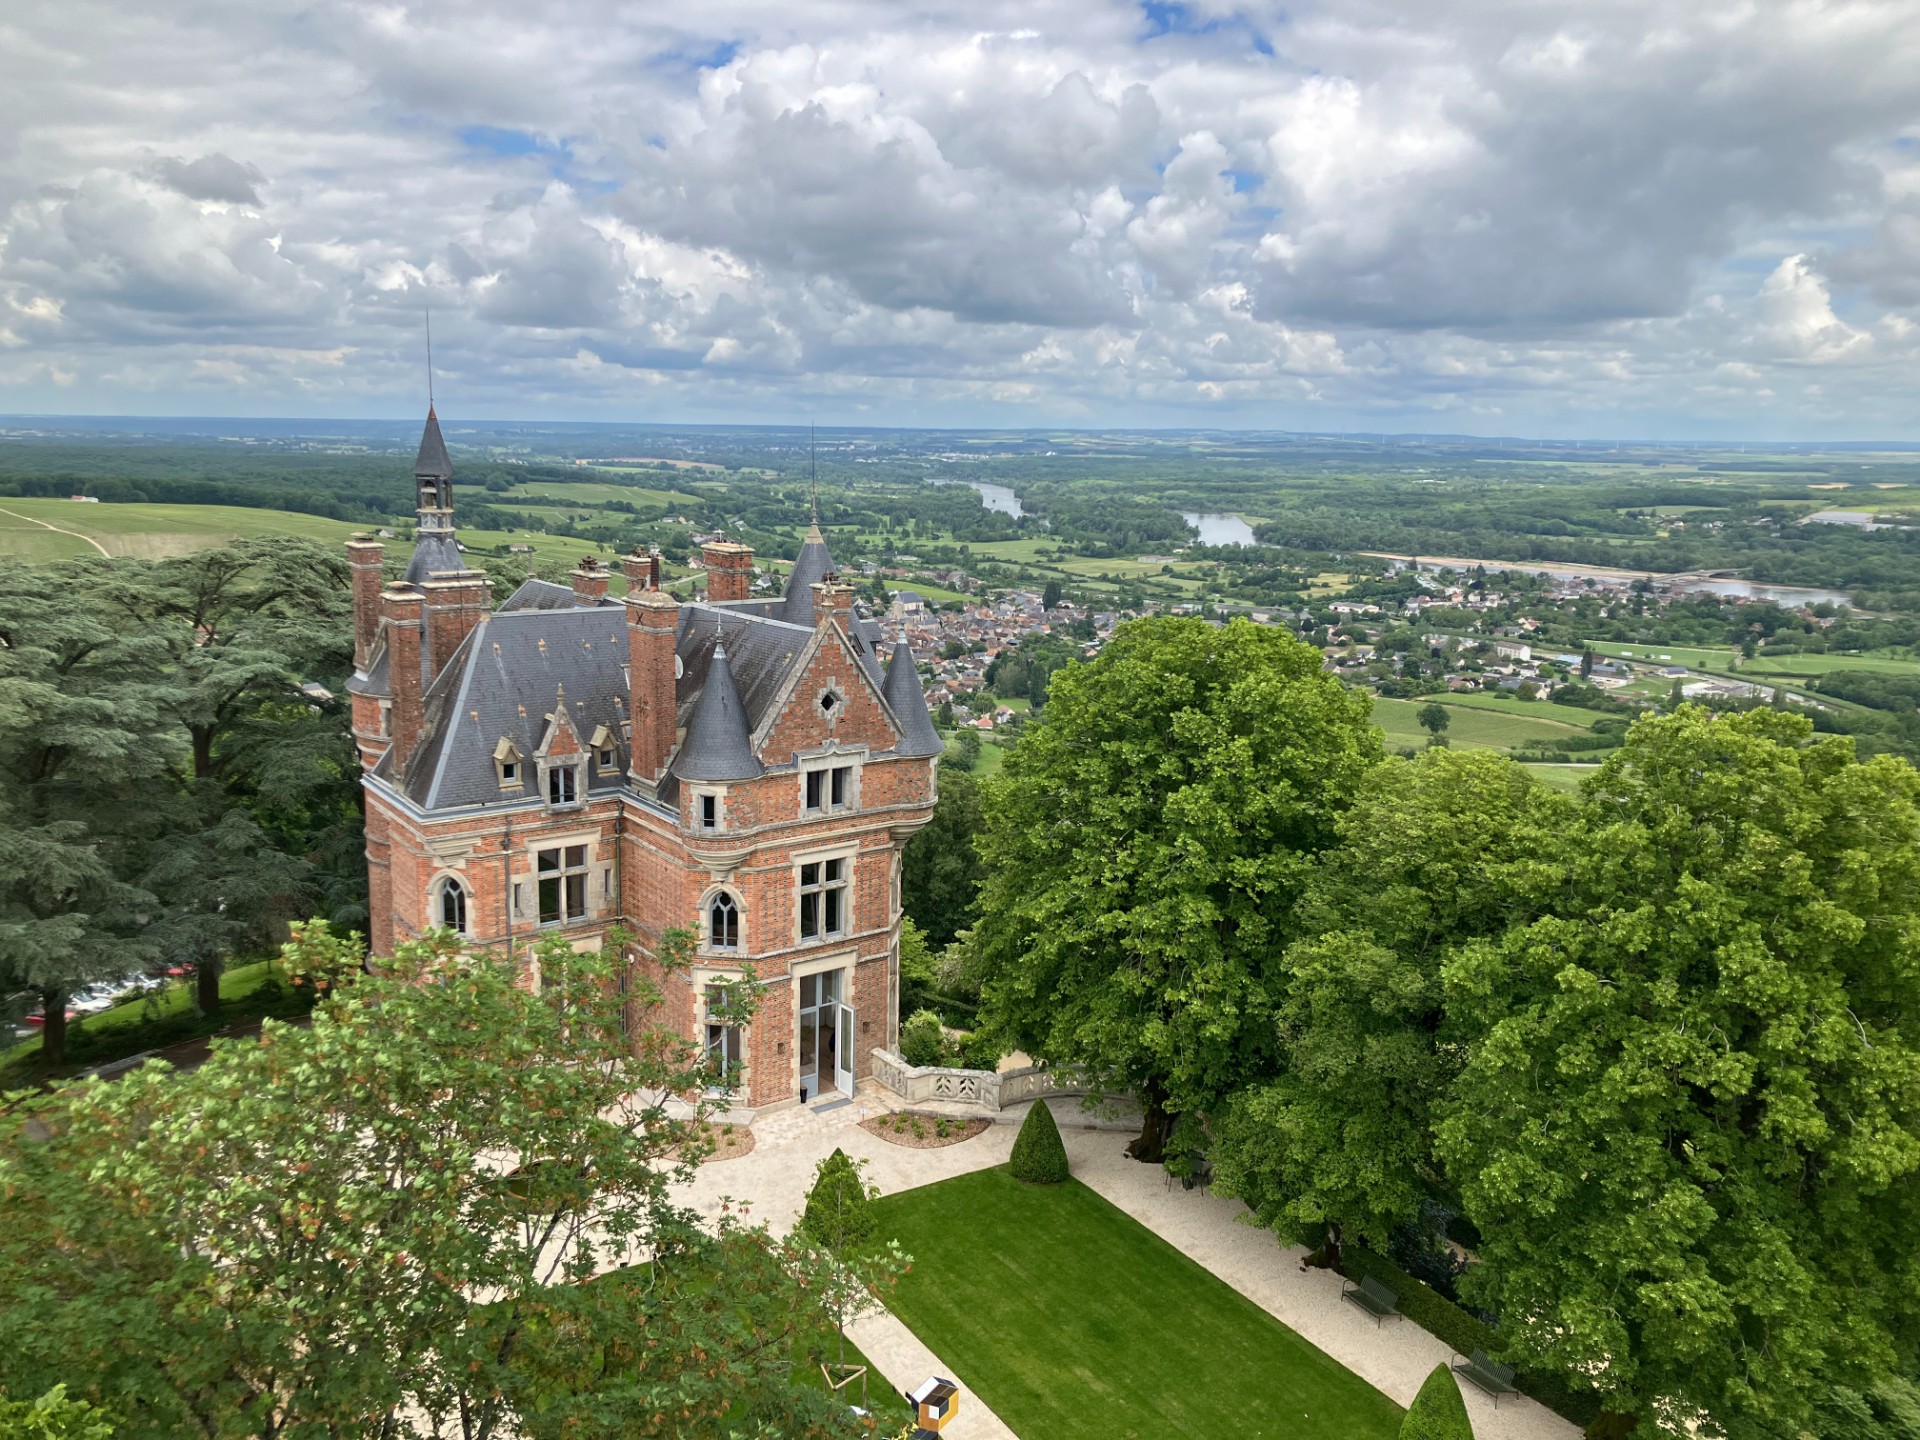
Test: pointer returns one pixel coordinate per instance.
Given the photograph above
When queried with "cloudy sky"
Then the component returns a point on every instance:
(1615, 218)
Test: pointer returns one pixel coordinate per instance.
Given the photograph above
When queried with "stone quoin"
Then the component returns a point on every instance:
(749, 769)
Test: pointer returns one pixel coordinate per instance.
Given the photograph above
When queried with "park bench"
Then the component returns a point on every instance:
(1488, 1374)
(1373, 1297)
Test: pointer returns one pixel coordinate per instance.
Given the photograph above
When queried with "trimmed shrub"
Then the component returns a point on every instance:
(839, 1214)
(1437, 1412)
(922, 1041)
(1039, 1157)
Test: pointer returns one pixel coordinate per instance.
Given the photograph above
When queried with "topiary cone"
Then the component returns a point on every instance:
(1437, 1412)
(1039, 1157)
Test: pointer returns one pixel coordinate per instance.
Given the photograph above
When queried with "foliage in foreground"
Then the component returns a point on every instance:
(1039, 1156)
(52, 1417)
(382, 1225)
(1438, 1412)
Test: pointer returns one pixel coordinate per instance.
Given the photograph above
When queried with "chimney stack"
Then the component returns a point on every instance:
(590, 581)
(729, 570)
(642, 571)
(653, 625)
(403, 608)
(363, 560)
(456, 602)
(832, 601)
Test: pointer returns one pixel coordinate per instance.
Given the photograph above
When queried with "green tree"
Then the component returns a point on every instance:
(83, 755)
(923, 1039)
(1051, 595)
(1434, 718)
(1689, 1130)
(1039, 1155)
(941, 871)
(386, 1223)
(52, 1417)
(962, 753)
(1436, 851)
(1586, 664)
(1437, 1412)
(1147, 839)
(839, 1219)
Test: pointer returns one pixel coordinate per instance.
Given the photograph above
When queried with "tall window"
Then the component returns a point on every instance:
(562, 785)
(823, 898)
(723, 923)
(453, 906)
(830, 789)
(563, 884)
(724, 1052)
(709, 812)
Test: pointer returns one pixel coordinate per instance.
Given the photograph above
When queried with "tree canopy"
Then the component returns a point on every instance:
(1146, 842)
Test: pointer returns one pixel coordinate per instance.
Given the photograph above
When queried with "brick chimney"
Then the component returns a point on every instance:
(363, 559)
(590, 581)
(831, 601)
(403, 608)
(729, 570)
(653, 624)
(456, 601)
(642, 571)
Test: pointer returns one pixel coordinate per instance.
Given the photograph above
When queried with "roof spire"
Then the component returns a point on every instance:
(813, 475)
(429, 308)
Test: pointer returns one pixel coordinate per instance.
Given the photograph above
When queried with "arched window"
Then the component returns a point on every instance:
(453, 906)
(723, 923)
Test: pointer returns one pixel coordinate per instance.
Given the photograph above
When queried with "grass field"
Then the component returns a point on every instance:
(1504, 704)
(992, 756)
(1721, 660)
(1471, 728)
(236, 985)
(592, 492)
(148, 531)
(1564, 778)
(1074, 1322)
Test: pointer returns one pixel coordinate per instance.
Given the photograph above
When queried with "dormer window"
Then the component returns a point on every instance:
(605, 749)
(506, 764)
(562, 786)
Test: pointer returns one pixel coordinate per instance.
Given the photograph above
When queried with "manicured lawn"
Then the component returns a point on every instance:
(1472, 728)
(1074, 1322)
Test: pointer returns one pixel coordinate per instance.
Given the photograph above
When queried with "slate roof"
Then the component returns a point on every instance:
(432, 462)
(908, 700)
(718, 743)
(435, 550)
(504, 680)
(735, 661)
(812, 565)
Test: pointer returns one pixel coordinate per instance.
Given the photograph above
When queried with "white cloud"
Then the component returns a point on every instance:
(1322, 215)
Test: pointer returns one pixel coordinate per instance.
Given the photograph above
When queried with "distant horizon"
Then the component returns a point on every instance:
(453, 424)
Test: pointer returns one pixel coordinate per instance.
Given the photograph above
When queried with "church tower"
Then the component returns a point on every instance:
(435, 550)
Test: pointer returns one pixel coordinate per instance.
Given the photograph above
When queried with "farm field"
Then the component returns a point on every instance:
(591, 492)
(1471, 728)
(1564, 778)
(1524, 709)
(1887, 662)
(148, 531)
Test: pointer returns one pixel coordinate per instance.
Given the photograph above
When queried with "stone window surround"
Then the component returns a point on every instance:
(697, 793)
(707, 897)
(436, 889)
(847, 851)
(831, 757)
(578, 765)
(525, 876)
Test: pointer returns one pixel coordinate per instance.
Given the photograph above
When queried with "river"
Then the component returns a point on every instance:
(1219, 529)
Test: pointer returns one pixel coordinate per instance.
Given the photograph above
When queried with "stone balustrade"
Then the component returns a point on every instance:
(989, 1089)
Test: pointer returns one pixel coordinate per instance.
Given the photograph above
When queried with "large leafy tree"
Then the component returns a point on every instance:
(389, 1224)
(1690, 1128)
(243, 628)
(83, 755)
(1145, 848)
(940, 872)
(1435, 851)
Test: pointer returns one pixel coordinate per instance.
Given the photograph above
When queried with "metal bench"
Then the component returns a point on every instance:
(1487, 1374)
(1373, 1297)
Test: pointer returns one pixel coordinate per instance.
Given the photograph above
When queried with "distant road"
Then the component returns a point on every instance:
(58, 530)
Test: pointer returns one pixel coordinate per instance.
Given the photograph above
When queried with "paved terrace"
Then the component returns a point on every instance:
(771, 1184)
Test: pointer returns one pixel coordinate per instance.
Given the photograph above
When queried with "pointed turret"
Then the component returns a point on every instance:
(717, 746)
(435, 552)
(812, 565)
(907, 698)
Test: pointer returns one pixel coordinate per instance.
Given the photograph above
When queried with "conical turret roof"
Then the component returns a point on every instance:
(717, 746)
(812, 565)
(432, 462)
(907, 698)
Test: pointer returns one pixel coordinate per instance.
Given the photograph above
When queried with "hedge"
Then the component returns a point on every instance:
(1437, 1412)
(1440, 1317)
(1039, 1156)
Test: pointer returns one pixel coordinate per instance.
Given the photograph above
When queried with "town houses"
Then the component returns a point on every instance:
(745, 768)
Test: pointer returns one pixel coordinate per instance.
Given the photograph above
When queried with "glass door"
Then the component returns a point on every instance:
(843, 1053)
(826, 1035)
